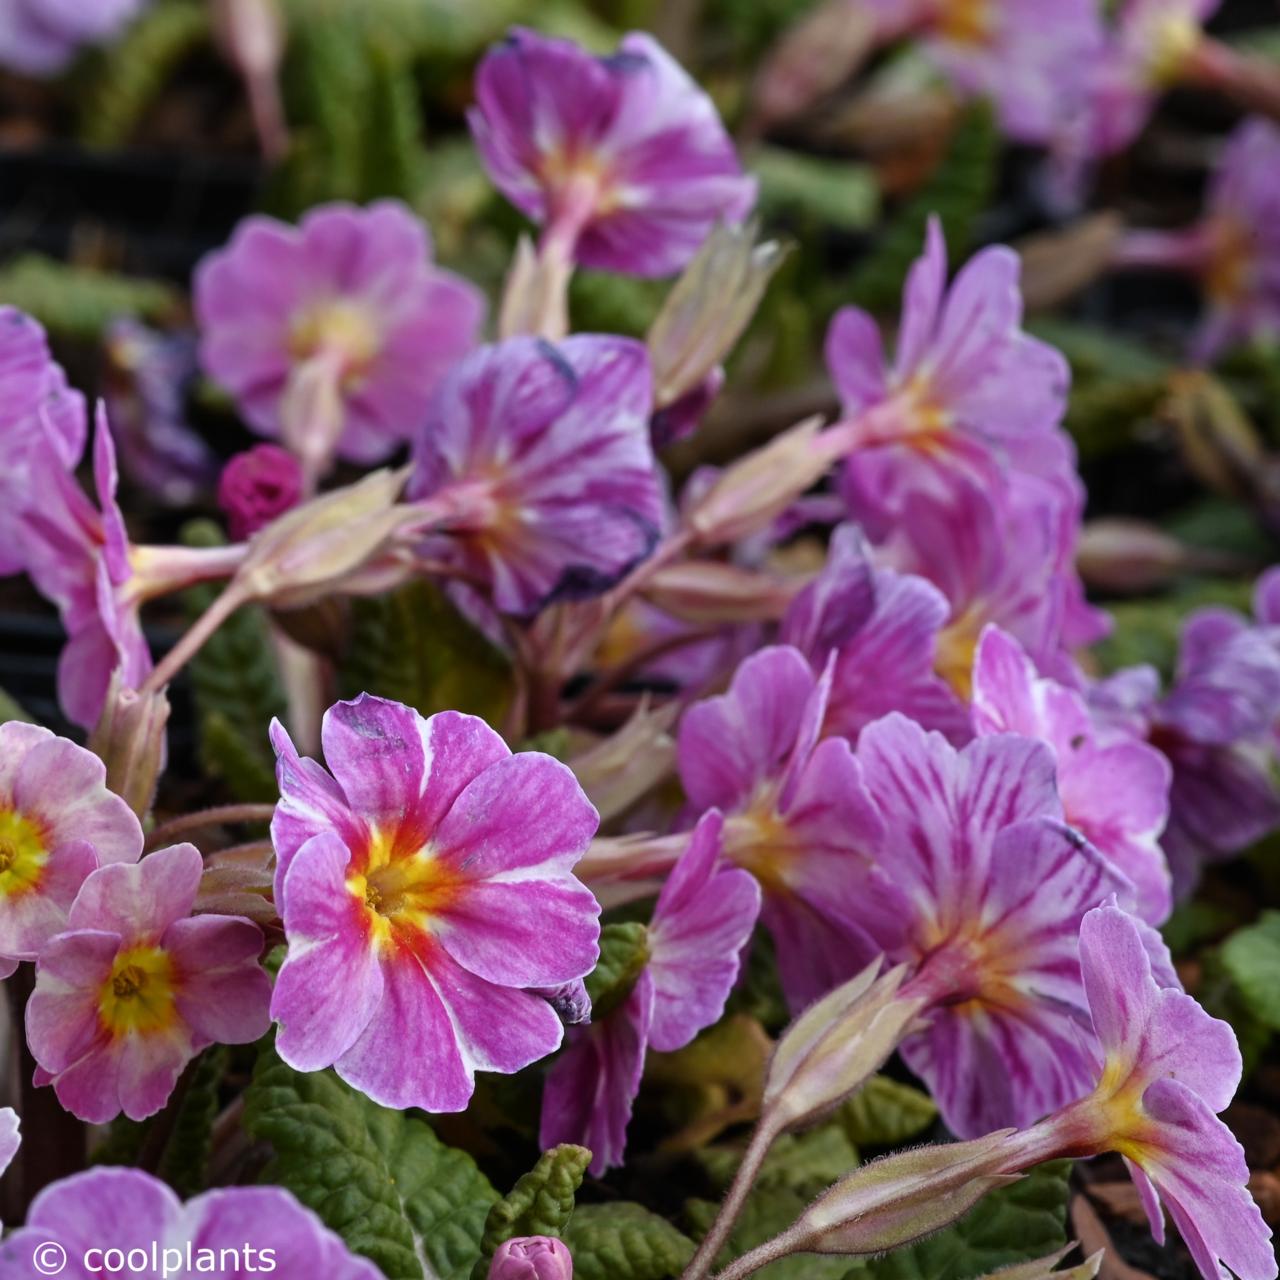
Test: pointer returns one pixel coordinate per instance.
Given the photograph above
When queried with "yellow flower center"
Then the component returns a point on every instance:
(957, 644)
(965, 21)
(399, 889)
(926, 419)
(138, 997)
(1169, 41)
(22, 854)
(759, 841)
(1231, 260)
(340, 327)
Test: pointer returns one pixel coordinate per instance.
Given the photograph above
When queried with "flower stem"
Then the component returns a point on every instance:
(193, 640)
(219, 816)
(731, 1209)
(760, 1256)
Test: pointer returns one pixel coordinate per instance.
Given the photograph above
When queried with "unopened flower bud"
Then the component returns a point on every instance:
(130, 740)
(709, 593)
(1132, 556)
(1043, 1268)
(893, 1201)
(257, 486)
(812, 59)
(1219, 443)
(313, 411)
(532, 1258)
(315, 547)
(535, 298)
(752, 492)
(707, 310)
(619, 769)
(836, 1045)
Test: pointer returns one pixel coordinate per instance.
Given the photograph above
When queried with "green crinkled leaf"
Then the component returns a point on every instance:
(624, 952)
(831, 193)
(126, 81)
(884, 1113)
(391, 151)
(1194, 923)
(79, 302)
(625, 1242)
(442, 28)
(1015, 1224)
(381, 1179)
(805, 1163)
(237, 690)
(414, 646)
(1251, 956)
(538, 1205)
(958, 192)
(185, 1163)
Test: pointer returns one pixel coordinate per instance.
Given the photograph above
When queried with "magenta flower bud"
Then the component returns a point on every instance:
(258, 485)
(532, 1258)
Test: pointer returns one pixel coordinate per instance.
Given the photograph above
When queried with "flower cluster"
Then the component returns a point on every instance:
(821, 733)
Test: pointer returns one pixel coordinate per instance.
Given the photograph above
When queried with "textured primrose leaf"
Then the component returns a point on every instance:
(1251, 956)
(884, 1113)
(958, 192)
(1015, 1224)
(540, 1203)
(625, 1242)
(79, 302)
(237, 689)
(126, 82)
(831, 193)
(624, 952)
(381, 1179)
(414, 646)
(185, 1163)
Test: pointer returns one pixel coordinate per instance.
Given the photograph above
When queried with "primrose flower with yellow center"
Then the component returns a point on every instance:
(969, 392)
(797, 813)
(136, 986)
(536, 466)
(1164, 1069)
(623, 159)
(58, 823)
(336, 332)
(426, 886)
(978, 885)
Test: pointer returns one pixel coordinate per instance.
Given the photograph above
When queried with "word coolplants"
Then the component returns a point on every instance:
(652, 775)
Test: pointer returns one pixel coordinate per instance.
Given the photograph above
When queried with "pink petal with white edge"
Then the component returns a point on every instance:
(133, 1075)
(408, 1055)
(922, 302)
(397, 769)
(17, 740)
(65, 787)
(28, 920)
(523, 933)
(140, 900)
(311, 802)
(526, 813)
(62, 1020)
(330, 984)
(498, 1028)
(223, 993)
(703, 919)
(591, 1090)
